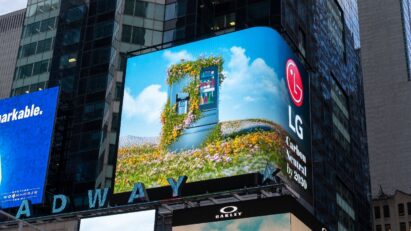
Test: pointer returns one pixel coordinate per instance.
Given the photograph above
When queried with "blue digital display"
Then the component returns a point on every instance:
(225, 106)
(26, 128)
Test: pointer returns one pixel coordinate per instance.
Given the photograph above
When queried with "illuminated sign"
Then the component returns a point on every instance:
(142, 221)
(26, 128)
(279, 213)
(220, 107)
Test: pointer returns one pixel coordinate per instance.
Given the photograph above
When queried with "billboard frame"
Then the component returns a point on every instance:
(182, 42)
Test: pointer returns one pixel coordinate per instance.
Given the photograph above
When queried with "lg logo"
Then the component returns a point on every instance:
(294, 83)
(228, 209)
(295, 88)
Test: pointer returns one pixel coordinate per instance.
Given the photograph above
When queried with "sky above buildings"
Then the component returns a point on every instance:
(7, 6)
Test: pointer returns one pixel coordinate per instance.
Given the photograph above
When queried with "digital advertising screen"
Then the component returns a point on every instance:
(135, 221)
(26, 129)
(277, 214)
(219, 107)
(276, 222)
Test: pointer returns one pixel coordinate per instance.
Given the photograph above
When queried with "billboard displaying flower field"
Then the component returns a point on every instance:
(219, 107)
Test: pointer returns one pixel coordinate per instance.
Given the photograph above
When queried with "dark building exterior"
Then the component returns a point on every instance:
(387, 91)
(82, 48)
(387, 128)
(10, 32)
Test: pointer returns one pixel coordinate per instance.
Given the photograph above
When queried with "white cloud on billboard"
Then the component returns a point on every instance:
(143, 221)
(253, 79)
(176, 57)
(147, 105)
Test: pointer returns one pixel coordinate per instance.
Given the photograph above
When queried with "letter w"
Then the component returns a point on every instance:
(93, 197)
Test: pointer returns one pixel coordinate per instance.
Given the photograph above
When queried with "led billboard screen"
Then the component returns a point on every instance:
(219, 107)
(141, 221)
(26, 128)
(276, 222)
(281, 213)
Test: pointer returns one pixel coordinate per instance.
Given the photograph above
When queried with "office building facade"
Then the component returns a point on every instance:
(385, 51)
(392, 212)
(10, 32)
(82, 45)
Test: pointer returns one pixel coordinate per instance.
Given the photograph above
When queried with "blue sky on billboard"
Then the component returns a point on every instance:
(26, 127)
(246, 70)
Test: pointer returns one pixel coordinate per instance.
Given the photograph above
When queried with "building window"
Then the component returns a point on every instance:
(71, 37)
(386, 211)
(406, 17)
(409, 208)
(340, 116)
(126, 34)
(144, 9)
(345, 209)
(336, 27)
(403, 226)
(377, 213)
(387, 227)
(25, 71)
(378, 228)
(409, 226)
(224, 22)
(27, 50)
(401, 210)
(41, 67)
(36, 48)
(44, 45)
(302, 41)
(129, 7)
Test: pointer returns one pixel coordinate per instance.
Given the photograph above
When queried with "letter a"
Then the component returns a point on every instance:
(139, 192)
(25, 209)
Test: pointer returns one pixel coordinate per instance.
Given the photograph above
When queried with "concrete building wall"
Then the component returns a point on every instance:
(392, 212)
(10, 31)
(387, 94)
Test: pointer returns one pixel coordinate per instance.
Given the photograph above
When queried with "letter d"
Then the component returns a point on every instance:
(64, 201)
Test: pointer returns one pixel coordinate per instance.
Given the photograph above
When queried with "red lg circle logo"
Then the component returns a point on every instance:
(294, 83)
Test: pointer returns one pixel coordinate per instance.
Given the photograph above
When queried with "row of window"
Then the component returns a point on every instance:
(340, 116)
(30, 88)
(144, 9)
(42, 7)
(39, 27)
(336, 27)
(387, 227)
(32, 69)
(140, 36)
(386, 210)
(36, 48)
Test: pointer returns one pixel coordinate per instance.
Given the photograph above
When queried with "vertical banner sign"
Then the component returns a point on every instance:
(220, 107)
(26, 128)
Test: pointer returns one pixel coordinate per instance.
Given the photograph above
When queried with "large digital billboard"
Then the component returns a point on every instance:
(270, 214)
(141, 221)
(219, 107)
(275, 222)
(26, 128)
